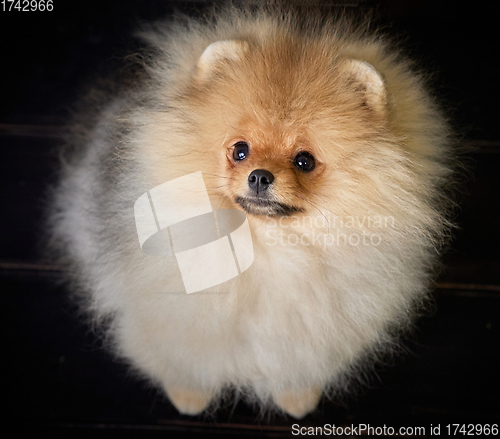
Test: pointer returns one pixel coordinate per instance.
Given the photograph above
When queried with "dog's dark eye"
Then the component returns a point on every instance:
(240, 151)
(304, 161)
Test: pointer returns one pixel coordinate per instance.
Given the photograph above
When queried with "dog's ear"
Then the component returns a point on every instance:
(219, 53)
(368, 82)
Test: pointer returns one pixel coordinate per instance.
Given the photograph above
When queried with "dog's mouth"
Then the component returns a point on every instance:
(261, 206)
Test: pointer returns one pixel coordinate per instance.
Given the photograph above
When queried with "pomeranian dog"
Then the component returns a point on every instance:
(328, 145)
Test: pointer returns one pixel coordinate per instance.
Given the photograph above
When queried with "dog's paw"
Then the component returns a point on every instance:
(188, 401)
(298, 403)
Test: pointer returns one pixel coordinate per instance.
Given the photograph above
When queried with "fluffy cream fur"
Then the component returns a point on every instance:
(306, 316)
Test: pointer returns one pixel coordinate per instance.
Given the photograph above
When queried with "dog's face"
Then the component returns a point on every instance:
(270, 174)
(281, 118)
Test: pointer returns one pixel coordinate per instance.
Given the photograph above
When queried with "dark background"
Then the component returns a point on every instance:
(57, 380)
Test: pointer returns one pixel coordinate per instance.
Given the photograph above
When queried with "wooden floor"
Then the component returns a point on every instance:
(58, 381)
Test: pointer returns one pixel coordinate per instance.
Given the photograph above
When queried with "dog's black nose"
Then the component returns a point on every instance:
(259, 180)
